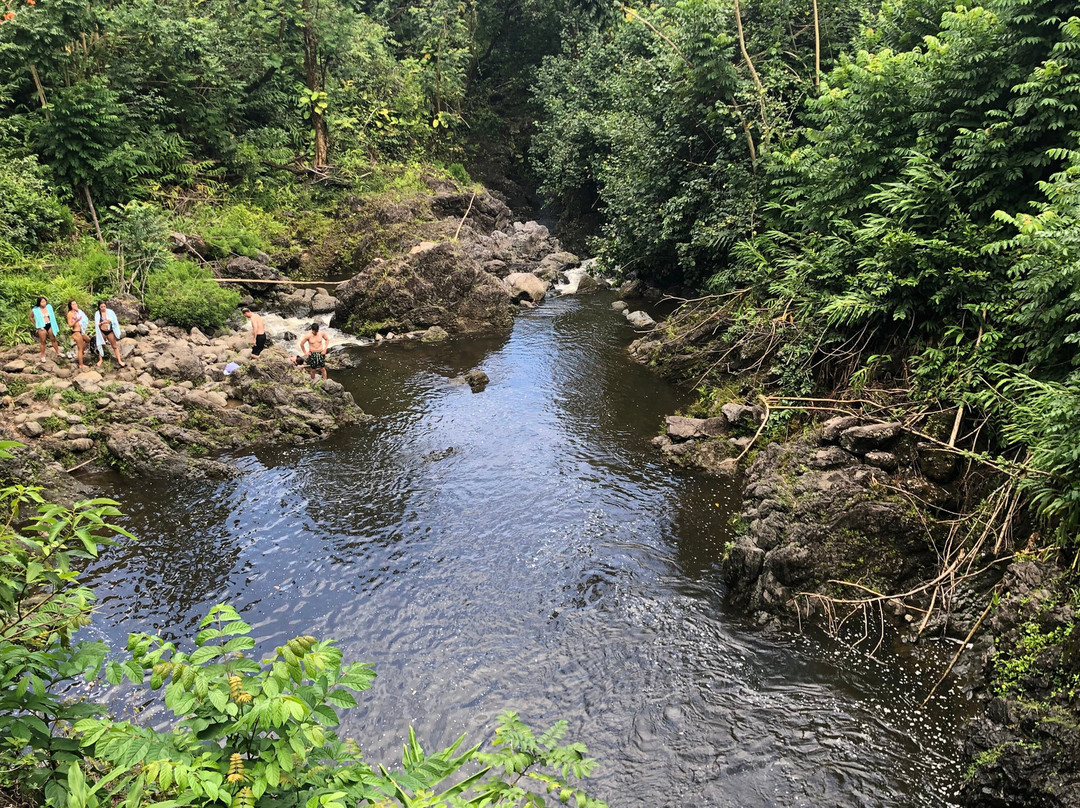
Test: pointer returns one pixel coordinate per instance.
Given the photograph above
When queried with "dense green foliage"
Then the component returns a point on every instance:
(247, 733)
(913, 213)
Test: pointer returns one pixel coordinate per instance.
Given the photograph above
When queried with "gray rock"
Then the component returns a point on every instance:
(882, 460)
(631, 289)
(80, 444)
(679, 427)
(937, 464)
(588, 284)
(862, 439)
(435, 334)
(32, 429)
(323, 304)
(831, 429)
(477, 380)
(525, 285)
(15, 366)
(620, 306)
(831, 457)
(740, 413)
(640, 320)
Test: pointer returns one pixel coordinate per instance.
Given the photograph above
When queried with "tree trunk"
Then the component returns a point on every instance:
(817, 48)
(314, 84)
(93, 213)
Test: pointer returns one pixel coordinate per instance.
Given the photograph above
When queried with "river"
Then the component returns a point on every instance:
(524, 548)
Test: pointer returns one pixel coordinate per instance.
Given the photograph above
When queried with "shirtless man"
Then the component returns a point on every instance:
(314, 345)
(258, 329)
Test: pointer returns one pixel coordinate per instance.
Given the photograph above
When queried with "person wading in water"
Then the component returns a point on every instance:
(314, 345)
(258, 330)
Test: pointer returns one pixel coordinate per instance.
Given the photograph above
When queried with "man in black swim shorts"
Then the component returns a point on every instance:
(314, 345)
(258, 329)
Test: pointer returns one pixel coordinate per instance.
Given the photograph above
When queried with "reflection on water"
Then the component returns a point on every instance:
(522, 548)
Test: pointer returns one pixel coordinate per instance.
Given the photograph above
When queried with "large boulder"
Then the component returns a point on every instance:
(438, 284)
(640, 320)
(128, 309)
(251, 272)
(524, 284)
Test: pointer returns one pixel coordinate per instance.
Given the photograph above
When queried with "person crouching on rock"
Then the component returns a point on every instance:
(258, 331)
(314, 345)
(79, 323)
(107, 327)
(44, 320)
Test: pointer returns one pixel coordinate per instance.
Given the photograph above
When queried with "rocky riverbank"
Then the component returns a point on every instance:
(858, 516)
(172, 405)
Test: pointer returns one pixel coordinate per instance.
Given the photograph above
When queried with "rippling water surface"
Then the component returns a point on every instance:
(523, 548)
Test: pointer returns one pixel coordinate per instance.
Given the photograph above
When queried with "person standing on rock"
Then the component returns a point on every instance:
(258, 330)
(44, 320)
(107, 327)
(314, 345)
(79, 323)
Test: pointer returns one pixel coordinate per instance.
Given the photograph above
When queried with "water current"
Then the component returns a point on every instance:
(524, 548)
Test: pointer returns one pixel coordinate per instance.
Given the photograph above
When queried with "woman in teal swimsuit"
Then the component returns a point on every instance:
(44, 320)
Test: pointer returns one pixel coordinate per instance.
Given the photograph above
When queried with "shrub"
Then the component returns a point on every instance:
(29, 214)
(186, 295)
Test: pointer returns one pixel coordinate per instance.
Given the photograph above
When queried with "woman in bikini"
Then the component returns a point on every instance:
(107, 325)
(78, 322)
(44, 320)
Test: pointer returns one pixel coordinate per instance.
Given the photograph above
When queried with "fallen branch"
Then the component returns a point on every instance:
(466, 216)
(284, 283)
(959, 651)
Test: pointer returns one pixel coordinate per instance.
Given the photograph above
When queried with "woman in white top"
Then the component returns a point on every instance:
(107, 327)
(79, 324)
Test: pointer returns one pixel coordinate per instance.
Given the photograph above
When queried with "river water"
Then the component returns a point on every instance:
(524, 548)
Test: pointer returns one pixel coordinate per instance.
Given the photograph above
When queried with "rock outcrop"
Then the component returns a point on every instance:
(438, 284)
(829, 507)
(159, 416)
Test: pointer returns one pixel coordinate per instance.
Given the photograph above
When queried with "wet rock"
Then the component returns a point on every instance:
(587, 284)
(863, 439)
(620, 306)
(557, 262)
(477, 380)
(141, 452)
(631, 290)
(323, 303)
(435, 334)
